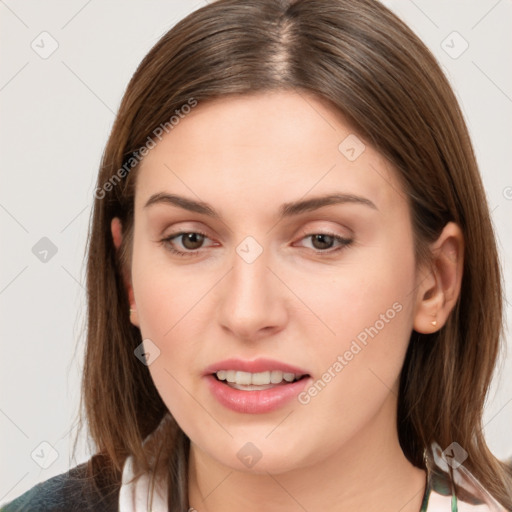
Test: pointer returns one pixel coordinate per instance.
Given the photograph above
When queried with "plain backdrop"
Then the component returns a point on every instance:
(64, 68)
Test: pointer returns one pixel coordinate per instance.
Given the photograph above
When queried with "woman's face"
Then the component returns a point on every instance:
(298, 264)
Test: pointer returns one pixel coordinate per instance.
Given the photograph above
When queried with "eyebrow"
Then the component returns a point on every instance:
(286, 210)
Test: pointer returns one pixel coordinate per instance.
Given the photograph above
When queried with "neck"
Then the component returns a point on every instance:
(368, 472)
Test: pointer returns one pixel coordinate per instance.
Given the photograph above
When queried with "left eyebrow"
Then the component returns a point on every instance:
(286, 210)
(307, 205)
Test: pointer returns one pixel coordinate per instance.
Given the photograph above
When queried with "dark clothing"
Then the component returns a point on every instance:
(72, 491)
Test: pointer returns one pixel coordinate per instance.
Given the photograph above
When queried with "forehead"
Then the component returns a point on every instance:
(262, 149)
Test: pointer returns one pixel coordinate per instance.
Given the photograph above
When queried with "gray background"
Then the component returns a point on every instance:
(56, 113)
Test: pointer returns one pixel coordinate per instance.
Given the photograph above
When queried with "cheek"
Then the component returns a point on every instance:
(171, 303)
(169, 309)
(165, 293)
(370, 289)
(366, 313)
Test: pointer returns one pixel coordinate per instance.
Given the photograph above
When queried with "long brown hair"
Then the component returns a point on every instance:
(370, 66)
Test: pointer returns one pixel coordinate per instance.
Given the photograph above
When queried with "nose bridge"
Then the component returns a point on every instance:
(251, 299)
(249, 278)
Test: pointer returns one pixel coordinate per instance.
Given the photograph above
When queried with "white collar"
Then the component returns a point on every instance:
(134, 496)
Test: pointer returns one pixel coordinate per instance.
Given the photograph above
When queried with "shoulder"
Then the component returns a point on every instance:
(73, 490)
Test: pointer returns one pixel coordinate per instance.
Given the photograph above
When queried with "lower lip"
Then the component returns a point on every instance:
(255, 402)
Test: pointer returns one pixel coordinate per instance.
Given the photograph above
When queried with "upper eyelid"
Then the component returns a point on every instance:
(304, 234)
(303, 231)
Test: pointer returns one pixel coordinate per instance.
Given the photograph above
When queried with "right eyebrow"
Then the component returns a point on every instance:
(182, 202)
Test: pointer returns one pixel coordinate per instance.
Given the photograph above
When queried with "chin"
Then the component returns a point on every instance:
(257, 457)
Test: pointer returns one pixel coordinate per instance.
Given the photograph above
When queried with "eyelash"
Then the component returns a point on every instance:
(167, 242)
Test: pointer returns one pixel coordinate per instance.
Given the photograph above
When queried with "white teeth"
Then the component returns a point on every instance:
(276, 376)
(243, 378)
(256, 379)
(260, 379)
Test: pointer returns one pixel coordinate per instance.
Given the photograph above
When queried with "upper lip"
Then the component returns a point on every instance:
(254, 366)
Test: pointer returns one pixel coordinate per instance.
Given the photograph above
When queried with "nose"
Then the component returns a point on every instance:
(253, 300)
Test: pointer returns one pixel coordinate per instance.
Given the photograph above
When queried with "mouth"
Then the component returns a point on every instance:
(247, 381)
(255, 387)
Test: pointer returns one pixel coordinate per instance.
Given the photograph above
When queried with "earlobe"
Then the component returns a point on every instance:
(117, 236)
(439, 284)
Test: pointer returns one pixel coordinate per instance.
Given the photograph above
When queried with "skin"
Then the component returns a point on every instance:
(246, 156)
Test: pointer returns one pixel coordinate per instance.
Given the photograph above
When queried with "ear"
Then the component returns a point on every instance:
(439, 283)
(117, 236)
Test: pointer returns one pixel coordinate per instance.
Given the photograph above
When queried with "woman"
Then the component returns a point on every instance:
(294, 293)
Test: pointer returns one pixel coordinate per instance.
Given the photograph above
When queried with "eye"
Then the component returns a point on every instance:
(322, 242)
(188, 242)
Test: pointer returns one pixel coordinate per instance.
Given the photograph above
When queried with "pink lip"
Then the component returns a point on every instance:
(256, 366)
(254, 402)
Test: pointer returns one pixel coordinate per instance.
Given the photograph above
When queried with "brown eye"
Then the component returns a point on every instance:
(322, 241)
(327, 243)
(191, 241)
(186, 243)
